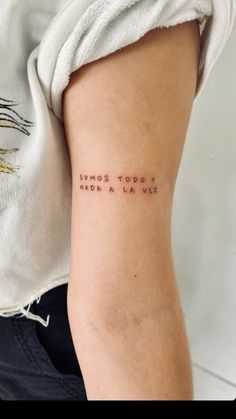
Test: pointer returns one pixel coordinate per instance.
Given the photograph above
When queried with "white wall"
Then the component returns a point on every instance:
(204, 231)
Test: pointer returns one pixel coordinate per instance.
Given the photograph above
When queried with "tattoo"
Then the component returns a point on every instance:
(118, 184)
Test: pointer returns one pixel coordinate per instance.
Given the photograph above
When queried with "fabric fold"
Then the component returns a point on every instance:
(86, 30)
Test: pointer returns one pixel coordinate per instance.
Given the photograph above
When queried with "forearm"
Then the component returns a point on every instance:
(127, 116)
(130, 336)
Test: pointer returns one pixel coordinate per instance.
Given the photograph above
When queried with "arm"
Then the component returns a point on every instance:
(126, 116)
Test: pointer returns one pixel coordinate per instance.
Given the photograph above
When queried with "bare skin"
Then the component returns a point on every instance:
(126, 117)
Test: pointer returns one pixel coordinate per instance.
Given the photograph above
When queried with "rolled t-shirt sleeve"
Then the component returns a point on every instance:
(86, 30)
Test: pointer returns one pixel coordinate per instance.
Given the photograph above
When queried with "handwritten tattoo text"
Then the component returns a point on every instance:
(120, 184)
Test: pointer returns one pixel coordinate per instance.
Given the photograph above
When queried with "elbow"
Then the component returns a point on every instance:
(136, 340)
(117, 317)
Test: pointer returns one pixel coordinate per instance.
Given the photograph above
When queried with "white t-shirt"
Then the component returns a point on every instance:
(41, 43)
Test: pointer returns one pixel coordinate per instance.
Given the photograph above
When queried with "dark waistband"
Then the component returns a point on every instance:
(55, 297)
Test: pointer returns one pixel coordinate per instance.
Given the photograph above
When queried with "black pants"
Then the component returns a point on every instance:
(38, 363)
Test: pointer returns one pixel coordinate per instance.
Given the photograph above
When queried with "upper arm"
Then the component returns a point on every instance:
(126, 115)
